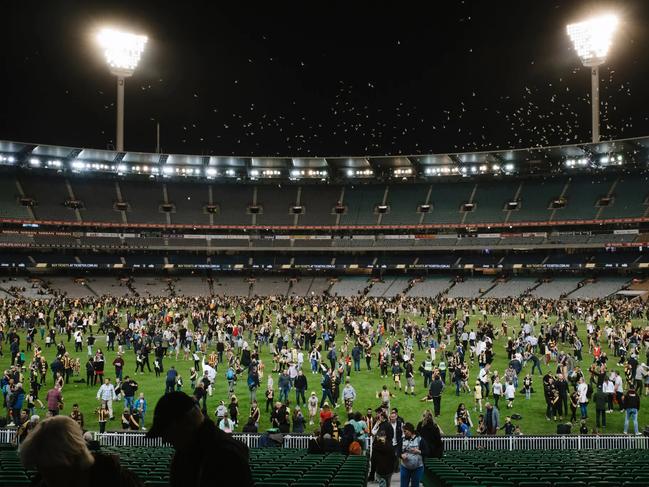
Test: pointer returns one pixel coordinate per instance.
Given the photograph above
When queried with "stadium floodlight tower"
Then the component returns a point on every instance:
(592, 39)
(122, 51)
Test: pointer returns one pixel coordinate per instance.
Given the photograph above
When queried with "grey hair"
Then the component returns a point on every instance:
(56, 442)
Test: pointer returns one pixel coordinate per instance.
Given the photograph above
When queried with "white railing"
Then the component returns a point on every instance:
(588, 442)
(294, 440)
(558, 442)
(127, 439)
(7, 435)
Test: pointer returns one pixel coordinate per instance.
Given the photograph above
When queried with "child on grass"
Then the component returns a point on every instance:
(477, 395)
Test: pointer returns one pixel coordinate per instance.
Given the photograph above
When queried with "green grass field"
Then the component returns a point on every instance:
(366, 383)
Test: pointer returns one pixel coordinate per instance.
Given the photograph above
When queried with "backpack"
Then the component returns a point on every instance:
(355, 448)
(229, 374)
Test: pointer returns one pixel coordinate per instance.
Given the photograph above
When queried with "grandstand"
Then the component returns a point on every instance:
(556, 288)
(430, 287)
(470, 288)
(500, 229)
(514, 287)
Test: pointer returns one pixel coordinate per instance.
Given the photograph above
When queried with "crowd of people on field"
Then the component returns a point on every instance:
(326, 340)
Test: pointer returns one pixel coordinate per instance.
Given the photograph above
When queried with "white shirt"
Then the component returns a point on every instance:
(483, 376)
(619, 384)
(106, 392)
(211, 372)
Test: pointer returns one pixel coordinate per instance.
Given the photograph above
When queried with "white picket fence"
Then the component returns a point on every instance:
(557, 442)
(509, 443)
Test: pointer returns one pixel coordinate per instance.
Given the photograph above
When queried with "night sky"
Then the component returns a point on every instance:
(293, 80)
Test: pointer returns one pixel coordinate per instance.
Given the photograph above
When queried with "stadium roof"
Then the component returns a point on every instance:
(544, 160)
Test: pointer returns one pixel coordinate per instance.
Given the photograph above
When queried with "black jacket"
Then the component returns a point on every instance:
(322, 445)
(631, 402)
(436, 387)
(382, 458)
(388, 430)
(431, 434)
(209, 458)
(301, 383)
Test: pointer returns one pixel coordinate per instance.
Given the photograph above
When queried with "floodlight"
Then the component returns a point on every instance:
(211, 172)
(122, 50)
(592, 38)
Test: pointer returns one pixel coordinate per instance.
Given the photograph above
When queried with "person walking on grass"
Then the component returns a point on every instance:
(349, 396)
(106, 394)
(631, 408)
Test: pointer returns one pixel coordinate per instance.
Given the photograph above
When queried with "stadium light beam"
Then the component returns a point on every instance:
(122, 51)
(592, 39)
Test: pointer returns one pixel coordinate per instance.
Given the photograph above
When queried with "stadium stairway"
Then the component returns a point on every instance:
(493, 285)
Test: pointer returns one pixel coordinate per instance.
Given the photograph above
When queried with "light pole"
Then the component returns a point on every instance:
(592, 39)
(122, 52)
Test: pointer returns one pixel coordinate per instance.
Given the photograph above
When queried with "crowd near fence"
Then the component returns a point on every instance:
(509, 443)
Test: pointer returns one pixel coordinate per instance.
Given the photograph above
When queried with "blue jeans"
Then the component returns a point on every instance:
(583, 407)
(537, 365)
(314, 365)
(129, 402)
(283, 393)
(357, 365)
(411, 477)
(633, 414)
(326, 395)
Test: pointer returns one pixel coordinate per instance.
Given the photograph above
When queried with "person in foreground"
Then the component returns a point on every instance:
(412, 464)
(204, 453)
(57, 450)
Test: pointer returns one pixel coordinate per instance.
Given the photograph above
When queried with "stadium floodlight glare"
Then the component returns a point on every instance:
(122, 51)
(592, 39)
